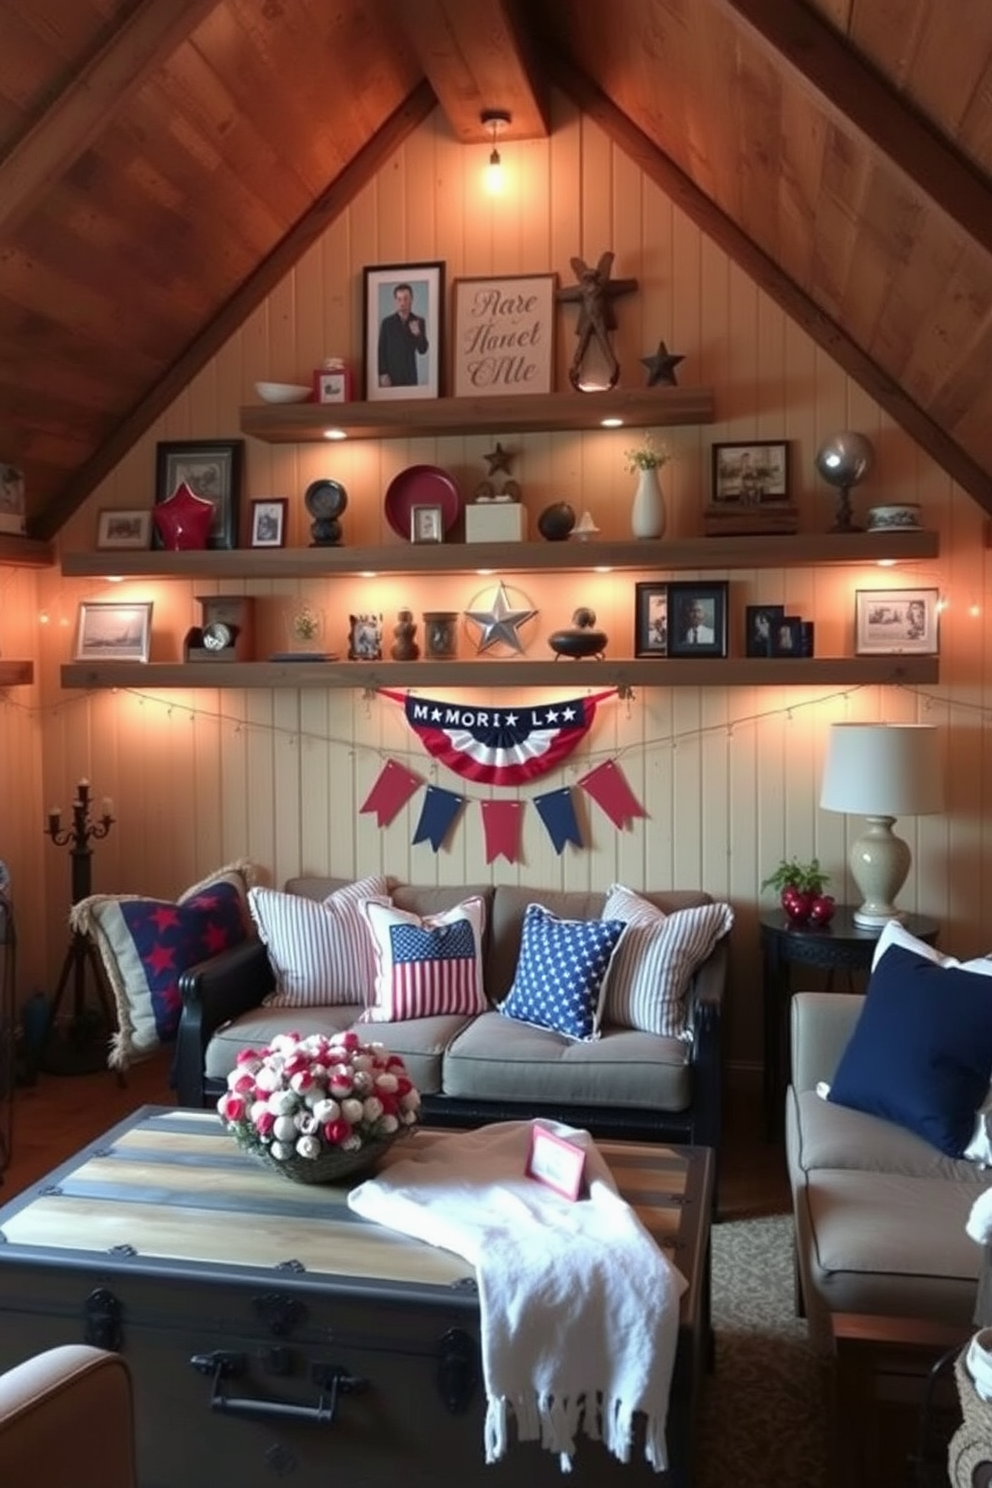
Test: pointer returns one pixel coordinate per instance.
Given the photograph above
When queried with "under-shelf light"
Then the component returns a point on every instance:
(611, 423)
(335, 434)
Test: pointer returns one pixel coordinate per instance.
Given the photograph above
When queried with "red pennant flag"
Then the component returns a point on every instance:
(608, 787)
(501, 822)
(394, 787)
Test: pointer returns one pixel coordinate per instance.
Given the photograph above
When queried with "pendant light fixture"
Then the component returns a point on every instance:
(495, 120)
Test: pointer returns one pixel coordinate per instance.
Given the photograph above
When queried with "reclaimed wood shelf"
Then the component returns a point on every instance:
(806, 550)
(825, 671)
(16, 673)
(25, 552)
(507, 413)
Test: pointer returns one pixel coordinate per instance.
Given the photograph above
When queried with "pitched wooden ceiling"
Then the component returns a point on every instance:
(839, 150)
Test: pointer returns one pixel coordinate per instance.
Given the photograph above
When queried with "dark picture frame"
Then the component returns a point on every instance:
(755, 473)
(387, 353)
(787, 636)
(212, 468)
(650, 619)
(697, 618)
(758, 622)
(894, 622)
(268, 522)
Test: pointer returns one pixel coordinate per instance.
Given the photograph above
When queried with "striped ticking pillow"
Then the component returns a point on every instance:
(655, 961)
(320, 950)
(426, 966)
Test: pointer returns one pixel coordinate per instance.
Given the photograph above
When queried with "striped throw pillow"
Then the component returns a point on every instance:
(426, 966)
(320, 950)
(655, 961)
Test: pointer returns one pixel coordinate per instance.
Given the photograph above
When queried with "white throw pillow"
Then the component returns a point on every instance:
(654, 963)
(426, 966)
(320, 950)
(979, 1149)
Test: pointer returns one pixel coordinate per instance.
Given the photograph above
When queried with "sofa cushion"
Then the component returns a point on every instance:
(144, 944)
(921, 1051)
(425, 966)
(495, 1058)
(652, 969)
(320, 951)
(561, 972)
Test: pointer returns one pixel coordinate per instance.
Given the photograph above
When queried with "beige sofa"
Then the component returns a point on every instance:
(470, 1070)
(879, 1213)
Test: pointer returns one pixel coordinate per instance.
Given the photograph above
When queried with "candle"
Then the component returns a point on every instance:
(108, 807)
(54, 817)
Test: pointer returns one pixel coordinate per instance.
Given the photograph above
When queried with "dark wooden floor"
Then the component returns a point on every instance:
(61, 1113)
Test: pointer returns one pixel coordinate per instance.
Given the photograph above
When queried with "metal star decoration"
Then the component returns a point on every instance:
(498, 459)
(661, 367)
(500, 622)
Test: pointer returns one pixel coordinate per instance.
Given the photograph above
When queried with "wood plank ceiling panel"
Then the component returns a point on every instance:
(43, 43)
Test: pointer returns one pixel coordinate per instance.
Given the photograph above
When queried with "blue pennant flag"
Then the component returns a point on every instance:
(558, 815)
(437, 816)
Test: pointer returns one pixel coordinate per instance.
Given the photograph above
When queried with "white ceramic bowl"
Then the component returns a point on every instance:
(891, 518)
(282, 392)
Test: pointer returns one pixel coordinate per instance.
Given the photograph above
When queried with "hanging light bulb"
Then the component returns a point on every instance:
(495, 120)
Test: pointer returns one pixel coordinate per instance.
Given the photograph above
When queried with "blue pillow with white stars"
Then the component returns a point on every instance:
(561, 973)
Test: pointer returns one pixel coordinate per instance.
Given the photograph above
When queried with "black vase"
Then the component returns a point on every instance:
(556, 521)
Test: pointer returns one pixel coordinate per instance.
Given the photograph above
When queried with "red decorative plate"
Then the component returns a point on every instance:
(421, 485)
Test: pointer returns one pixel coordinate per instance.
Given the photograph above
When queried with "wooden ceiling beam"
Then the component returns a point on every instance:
(82, 109)
(477, 55)
(352, 179)
(857, 95)
(710, 219)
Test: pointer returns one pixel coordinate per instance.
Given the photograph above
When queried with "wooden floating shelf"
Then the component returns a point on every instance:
(25, 552)
(827, 671)
(16, 673)
(808, 550)
(532, 413)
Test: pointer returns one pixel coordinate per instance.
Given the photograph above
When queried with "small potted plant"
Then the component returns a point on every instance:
(800, 887)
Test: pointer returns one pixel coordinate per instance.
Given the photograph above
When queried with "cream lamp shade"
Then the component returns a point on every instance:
(881, 771)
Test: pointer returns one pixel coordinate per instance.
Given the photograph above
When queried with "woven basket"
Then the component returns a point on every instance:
(971, 1445)
(331, 1167)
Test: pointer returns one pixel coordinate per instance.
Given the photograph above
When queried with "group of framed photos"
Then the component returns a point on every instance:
(690, 618)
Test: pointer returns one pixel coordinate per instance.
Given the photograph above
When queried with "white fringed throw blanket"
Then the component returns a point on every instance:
(579, 1308)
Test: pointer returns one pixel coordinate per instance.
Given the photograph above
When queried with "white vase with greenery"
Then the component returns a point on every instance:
(648, 516)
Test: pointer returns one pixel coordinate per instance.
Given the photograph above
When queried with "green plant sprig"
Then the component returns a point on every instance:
(808, 878)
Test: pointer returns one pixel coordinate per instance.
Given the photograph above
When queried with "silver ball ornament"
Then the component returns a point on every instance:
(845, 459)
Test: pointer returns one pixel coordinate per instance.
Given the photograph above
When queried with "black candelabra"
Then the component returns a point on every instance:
(81, 953)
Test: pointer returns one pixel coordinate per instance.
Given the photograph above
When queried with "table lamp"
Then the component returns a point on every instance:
(881, 771)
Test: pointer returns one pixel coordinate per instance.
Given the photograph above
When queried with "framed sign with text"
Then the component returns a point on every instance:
(503, 335)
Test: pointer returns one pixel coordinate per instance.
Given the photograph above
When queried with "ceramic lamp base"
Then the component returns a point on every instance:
(880, 862)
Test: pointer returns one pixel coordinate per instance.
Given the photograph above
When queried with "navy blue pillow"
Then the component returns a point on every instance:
(561, 972)
(921, 1051)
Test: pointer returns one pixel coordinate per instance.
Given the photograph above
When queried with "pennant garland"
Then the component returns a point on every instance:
(608, 787)
(501, 823)
(558, 815)
(394, 787)
(437, 817)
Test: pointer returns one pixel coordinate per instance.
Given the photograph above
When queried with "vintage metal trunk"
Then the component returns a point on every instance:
(275, 1337)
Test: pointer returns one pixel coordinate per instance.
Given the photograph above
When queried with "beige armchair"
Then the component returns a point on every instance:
(67, 1406)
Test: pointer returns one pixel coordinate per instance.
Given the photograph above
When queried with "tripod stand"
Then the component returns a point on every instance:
(80, 1051)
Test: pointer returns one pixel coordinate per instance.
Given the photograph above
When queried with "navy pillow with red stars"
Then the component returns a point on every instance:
(146, 944)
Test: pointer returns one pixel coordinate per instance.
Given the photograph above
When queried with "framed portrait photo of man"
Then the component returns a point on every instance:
(697, 618)
(404, 325)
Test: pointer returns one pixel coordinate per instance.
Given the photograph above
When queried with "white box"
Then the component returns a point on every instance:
(495, 521)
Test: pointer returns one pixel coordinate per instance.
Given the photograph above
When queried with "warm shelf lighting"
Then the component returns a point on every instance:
(611, 423)
(335, 434)
(496, 120)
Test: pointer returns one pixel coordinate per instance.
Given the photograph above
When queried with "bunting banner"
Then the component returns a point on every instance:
(608, 787)
(394, 787)
(437, 816)
(499, 746)
(501, 822)
(557, 812)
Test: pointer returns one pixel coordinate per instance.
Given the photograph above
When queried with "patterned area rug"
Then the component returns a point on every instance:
(764, 1411)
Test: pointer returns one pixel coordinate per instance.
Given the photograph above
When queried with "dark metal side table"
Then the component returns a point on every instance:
(840, 946)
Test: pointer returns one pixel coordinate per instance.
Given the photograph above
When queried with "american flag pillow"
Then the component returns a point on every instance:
(426, 966)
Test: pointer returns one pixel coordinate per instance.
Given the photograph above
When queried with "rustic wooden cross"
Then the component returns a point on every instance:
(594, 293)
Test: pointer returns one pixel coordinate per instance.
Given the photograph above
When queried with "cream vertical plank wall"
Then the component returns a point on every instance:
(728, 777)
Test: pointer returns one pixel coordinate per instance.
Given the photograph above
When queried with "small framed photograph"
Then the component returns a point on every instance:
(759, 624)
(403, 319)
(426, 524)
(365, 637)
(555, 1163)
(787, 636)
(124, 529)
(650, 619)
(212, 470)
(697, 618)
(888, 622)
(503, 335)
(268, 522)
(113, 632)
(755, 474)
(331, 387)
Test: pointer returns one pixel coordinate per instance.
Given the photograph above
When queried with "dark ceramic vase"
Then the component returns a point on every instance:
(556, 521)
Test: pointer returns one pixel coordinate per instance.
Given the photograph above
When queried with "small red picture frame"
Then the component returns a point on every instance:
(556, 1163)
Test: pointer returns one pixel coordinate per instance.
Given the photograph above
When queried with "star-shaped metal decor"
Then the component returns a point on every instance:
(500, 622)
(661, 367)
(498, 459)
